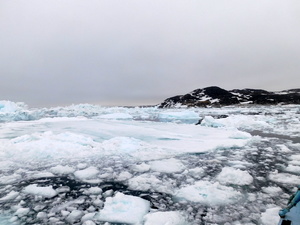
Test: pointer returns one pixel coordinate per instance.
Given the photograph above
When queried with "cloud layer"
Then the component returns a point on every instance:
(134, 52)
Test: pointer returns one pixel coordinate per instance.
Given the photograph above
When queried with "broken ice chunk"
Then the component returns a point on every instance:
(230, 175)
(208, 193)
(164, 218)
(88, 173)
(167, 166)
(74, 216)
(10, 179)
(93, 191)
(123, 209)
(33, 189)
(22, 212)
(10, 196)
(61, 170)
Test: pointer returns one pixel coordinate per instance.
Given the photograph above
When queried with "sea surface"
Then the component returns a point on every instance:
(87, 164)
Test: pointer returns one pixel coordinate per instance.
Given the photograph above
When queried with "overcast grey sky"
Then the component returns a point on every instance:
(57, 52)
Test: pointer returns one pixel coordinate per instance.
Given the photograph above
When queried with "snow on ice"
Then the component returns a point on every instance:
(87, 164)
(230, 175)
(165, 218)
(33, 189)
(208, 193)
(124, 209)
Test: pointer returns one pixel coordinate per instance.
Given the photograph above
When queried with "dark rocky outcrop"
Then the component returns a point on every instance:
(216, 96)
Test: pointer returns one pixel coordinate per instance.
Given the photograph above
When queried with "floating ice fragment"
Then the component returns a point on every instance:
(98, 203)
(124, 176)
(74, 216)
(272, 190)
(167, 166)
(63, 189)
(283, 148)
(10, 196)
(293, 169)
(88, 173)
(22, 212)
(67, 205)
(41, 215)
(33, 189)
(89, 222)
(81, 166)
(87, 217)
(123, 209)
(10, 179)
(62, 170)
(285, 178)
(64, 213)
(108, 193)
(208, 193)
(164, 218)
(42, 174)
(196, 172)
(93, 191)
(295, 157)
(270, 217)
(230, 175)
(146, 182)
(209, 121)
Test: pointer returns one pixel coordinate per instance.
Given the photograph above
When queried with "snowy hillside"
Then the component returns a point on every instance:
(215, 96)
(87, 164)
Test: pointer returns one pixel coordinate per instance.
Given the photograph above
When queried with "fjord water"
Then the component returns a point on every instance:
(87, 164)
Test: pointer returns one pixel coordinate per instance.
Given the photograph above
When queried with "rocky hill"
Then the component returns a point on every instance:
(216, 96)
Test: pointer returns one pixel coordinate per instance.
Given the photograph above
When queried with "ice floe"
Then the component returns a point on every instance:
(165, 218)
(167, 166)
(230, 175)
(284, 178)
(33, 189)
(10, 196)
(124, 209)
(208, 193)
(270, 216)
(59, 169)
(88, 173)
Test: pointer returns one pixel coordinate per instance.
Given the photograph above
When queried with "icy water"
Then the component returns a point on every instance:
(86, 164)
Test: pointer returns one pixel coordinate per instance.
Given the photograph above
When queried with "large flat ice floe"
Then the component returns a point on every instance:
(138, 140)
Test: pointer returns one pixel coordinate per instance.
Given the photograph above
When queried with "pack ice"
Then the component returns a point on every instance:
(87, 164)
